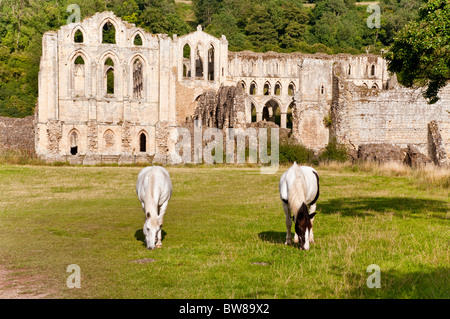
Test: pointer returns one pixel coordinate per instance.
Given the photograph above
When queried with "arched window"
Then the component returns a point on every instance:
(253, 88)
(79, 60)
(291, 89)
(277, 89)
(242, 83)
(211, 63)
(109, 76)
(349, 69)
(109, 33)
(372, 72)
(109, 140)
(322, 90)
(78, 37)
(186, 61)
(73, 142)
(199, 61)
(78, 76)
(374, 86)
(137, 40)
(266, 88)
(138, 81)
(142, 142)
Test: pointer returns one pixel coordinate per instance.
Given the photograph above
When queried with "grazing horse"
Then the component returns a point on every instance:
(154, 189)
(299, 189)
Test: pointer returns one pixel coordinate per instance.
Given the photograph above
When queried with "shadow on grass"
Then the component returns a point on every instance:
(429, 283)
(362, 206)
(139, 235)
(275, 237)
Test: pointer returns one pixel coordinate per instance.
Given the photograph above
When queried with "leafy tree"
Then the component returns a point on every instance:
(420, 54)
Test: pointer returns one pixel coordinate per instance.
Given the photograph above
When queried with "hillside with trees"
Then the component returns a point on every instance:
(329, 26)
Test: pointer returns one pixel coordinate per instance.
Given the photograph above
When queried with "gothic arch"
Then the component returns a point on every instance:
(116, 30)
(73, 142)
(277, 89)
(199, 59)
(291, 89)
(78, 73)
(137, 77)
(78, 28)
(267, 88)
(243, 85)
(272, 111)
(211, 61)
(143, 141)
(106, 72)
(186, 60)
(141, 36)
(253, 88)
(109, 140)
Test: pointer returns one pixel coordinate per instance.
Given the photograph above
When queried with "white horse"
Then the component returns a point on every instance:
(299, 189)
(154, 189)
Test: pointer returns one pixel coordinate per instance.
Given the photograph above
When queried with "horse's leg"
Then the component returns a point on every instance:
(287, 213)
(162, 211)
(312, 209)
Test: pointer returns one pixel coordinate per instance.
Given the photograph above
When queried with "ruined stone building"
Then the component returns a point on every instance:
(111, 92)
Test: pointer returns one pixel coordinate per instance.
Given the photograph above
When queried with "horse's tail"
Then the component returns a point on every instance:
(297, 197)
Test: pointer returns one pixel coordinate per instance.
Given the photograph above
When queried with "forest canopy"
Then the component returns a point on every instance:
(329, 26)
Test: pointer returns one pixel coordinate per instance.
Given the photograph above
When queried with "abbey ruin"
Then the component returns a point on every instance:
(111, 92)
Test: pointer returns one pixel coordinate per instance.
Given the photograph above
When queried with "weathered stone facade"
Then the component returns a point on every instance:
(17, 134)
(123, 101)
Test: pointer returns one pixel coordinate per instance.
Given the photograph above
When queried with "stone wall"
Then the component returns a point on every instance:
(399, 116)
(17, 134)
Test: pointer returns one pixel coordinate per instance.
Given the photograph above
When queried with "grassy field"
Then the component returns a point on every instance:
(224, 235)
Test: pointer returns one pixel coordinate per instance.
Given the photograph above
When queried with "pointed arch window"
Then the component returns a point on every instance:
(79, 77)
(138, 81)
(143, 142)
(187, 61)
(211, 63)
(108, 33)
(109, 77)
(291, 89)
(199, 61)
(253, 89)
(137, 40)
(266, 88)
(277, 89)
(73, 142)
(78, 36)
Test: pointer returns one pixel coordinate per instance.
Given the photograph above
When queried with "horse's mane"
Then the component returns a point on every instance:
(297, 192)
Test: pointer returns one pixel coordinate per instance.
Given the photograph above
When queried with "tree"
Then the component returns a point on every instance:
(420, 54)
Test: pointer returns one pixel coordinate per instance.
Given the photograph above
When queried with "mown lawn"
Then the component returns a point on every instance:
(223, 234)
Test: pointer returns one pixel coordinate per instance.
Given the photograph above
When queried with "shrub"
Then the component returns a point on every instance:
(290, 153)
(334, 152)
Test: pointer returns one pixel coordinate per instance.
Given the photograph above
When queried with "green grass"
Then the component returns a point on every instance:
(223, 235)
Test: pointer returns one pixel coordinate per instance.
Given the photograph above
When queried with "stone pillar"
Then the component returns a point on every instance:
(258, 116)
(283, 119)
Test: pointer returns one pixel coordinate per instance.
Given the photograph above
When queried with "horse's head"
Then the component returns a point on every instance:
(303, 226)
(151, 228)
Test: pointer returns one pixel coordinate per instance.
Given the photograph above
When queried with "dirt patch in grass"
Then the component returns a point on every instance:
(143, 261)
(19, 285)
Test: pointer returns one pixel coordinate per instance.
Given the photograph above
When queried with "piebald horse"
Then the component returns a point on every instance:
(299, 189)
(154, 189)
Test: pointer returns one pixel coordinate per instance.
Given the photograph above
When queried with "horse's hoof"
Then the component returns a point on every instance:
(159, 246)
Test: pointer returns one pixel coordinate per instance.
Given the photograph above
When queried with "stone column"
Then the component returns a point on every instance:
(258, 116)
(283, 119)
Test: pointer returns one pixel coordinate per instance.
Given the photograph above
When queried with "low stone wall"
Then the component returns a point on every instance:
(17, 134)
